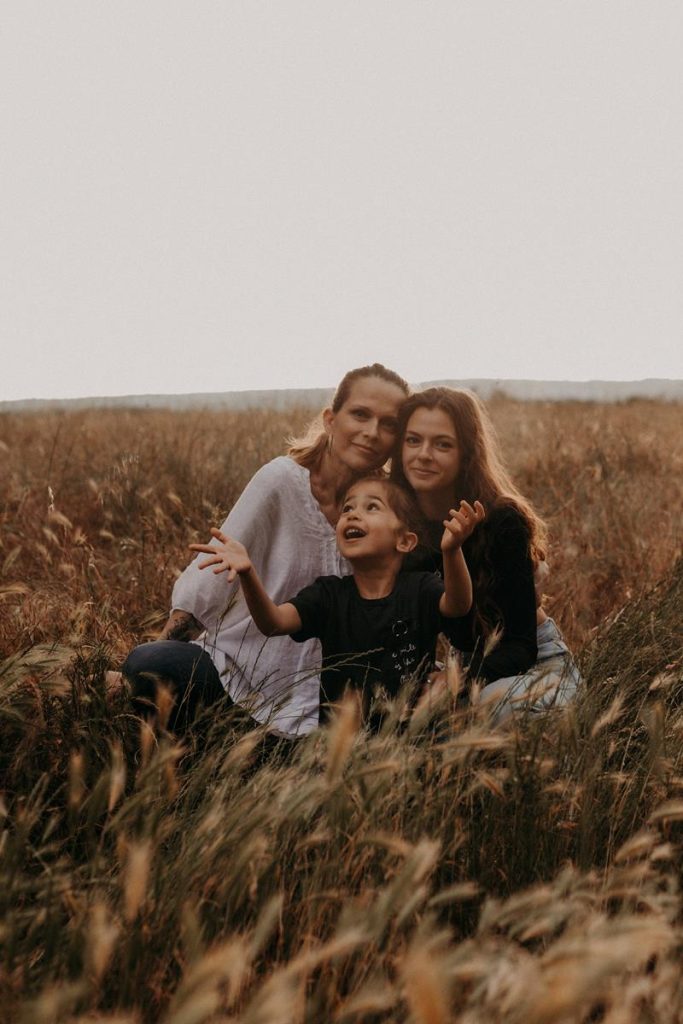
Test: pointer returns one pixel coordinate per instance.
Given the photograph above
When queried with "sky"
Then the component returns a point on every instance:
(215, 196)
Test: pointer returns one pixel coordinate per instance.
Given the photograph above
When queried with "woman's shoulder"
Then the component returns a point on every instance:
(279, 468)
(280, 472)
(503, 515)
(275, 486)
(506, 530)
(425, 558)
(284, 487)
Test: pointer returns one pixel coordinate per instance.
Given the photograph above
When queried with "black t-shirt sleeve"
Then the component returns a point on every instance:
(431, 589)
(459, 631)
(313, 605)
(514, 596)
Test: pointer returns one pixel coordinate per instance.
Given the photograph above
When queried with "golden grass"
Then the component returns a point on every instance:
(446, 872)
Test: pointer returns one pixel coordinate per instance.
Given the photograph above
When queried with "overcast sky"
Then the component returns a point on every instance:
(212, 196)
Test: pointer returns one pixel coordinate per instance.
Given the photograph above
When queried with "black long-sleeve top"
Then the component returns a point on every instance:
(502, 571)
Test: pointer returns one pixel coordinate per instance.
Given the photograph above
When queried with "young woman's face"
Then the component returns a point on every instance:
(430, 453)
(363, 431)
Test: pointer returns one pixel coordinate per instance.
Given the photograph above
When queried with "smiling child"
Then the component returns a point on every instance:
(377, 627)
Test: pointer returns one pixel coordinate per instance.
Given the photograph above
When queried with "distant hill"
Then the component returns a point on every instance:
(525, 390)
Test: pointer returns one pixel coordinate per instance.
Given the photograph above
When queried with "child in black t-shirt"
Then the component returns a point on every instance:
(375, 626)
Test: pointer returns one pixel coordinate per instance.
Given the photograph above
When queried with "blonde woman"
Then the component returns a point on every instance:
(285, 517)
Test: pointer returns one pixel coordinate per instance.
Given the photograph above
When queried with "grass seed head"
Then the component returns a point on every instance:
(341, 735)
(425, 988)
(76, 779)
(102, 935)
(117, 776)
(136, 876)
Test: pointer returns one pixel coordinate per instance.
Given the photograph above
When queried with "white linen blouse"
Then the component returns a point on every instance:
(290, 543)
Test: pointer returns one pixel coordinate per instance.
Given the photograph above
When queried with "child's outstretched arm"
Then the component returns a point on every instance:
(457, 596)
(232, 557)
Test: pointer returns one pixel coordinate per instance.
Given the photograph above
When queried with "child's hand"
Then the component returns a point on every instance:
(228, 555)
(461, 524)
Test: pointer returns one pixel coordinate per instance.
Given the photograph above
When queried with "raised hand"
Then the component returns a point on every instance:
(227, 556)
(461, 524)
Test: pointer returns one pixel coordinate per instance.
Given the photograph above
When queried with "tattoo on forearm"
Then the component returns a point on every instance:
(182, 626)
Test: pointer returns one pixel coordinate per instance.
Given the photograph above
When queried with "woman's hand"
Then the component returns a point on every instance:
(227, 556)
(461, 524)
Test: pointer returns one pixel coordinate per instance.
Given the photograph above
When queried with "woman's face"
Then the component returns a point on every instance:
(430, 453)
(363, 431)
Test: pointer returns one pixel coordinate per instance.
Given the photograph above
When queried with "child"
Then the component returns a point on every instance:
(376, 626)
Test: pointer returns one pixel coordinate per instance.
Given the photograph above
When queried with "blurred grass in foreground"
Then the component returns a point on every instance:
(447, 872)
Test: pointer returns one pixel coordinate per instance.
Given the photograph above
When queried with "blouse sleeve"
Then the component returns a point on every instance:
(253, 520)
(515, 598)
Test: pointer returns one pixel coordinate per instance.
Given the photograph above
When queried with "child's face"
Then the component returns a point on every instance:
(368, 527)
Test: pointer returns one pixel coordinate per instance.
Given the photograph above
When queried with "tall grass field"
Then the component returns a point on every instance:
(447, 871)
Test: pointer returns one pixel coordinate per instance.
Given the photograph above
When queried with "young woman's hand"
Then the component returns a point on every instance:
(227, 556)
(461, 524)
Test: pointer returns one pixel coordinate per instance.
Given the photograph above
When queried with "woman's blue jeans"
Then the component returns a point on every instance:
(183, 668)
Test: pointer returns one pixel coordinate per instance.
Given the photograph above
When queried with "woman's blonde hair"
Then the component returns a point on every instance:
(309, 447)
(482, 475)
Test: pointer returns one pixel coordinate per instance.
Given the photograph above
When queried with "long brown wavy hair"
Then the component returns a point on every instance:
(482, 475)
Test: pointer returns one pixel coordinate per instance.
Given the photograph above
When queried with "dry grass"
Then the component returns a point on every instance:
(450, 872)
